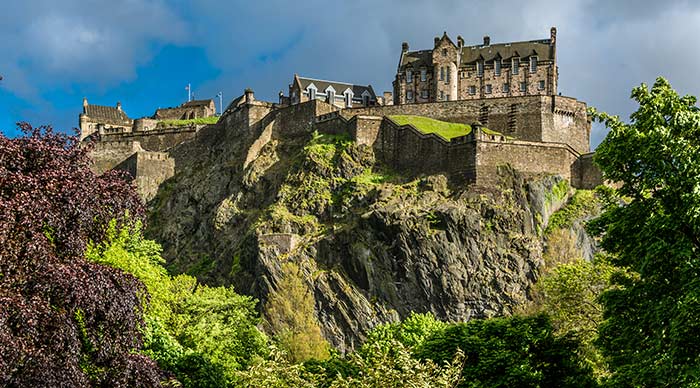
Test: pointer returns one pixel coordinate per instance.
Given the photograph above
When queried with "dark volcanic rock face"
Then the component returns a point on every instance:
(372, 245)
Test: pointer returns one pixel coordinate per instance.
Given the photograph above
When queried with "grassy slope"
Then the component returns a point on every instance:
(428, 125)
(182, 123)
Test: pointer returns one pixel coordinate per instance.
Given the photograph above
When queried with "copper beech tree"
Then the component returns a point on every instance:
(64, 321)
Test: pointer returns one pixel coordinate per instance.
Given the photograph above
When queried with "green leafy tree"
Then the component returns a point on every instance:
(202, 334)
(510, 352)
(651, 319)
(290, 315)
(411, 332)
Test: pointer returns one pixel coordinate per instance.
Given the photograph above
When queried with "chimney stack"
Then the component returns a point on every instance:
(85, 105)
(404, 46)
(487, 40)
(553, 36)
(249, 95)
(460, 41)
(437, 41)
(119, 106)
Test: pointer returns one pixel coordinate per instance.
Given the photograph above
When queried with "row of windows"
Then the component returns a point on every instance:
(497, 65)
(505, 88)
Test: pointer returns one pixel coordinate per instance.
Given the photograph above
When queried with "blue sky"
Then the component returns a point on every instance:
(144, 52)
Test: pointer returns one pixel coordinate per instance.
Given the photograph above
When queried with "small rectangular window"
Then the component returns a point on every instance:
(523, 86)
(442, 95)
(442, 73)
(423, 75)
(448, 75)
(506, 88)
(480, 68)
(447, 97)
(516, 65)
(472, 89)
(541, 85)
(444, 52)
(409, 76)
(424, 94)
(497, 67)
(409, 95)
(533, 64)
(488, 88)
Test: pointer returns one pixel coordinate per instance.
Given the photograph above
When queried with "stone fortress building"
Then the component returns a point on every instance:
(506, 92)
(458, 72)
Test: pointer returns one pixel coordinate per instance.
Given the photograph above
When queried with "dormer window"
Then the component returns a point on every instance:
(480, 68)
(312, 92)
(348, 98)
(331, 96)
(533, 64)
(497, 66)
(516, 65)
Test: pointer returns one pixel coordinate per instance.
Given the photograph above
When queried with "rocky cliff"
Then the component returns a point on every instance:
(372, 245)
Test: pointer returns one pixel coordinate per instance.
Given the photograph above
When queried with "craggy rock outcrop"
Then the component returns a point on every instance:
(371, 245)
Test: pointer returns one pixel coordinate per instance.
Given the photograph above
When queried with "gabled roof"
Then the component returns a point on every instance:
(106, 114)
(540, 48)
(339, 87)
(417, 58)
(195, 103)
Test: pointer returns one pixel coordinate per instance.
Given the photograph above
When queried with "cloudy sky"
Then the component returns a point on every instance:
(144, 52)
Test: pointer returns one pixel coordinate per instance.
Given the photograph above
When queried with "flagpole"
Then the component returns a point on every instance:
(189, 92)
(221, 103)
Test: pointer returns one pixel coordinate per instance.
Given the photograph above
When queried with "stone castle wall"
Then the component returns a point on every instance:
(149, 170)
(588, 174)
(530, 118)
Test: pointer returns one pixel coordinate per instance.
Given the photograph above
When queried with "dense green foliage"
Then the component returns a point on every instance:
(510, 352)
(289, 312)
(652, 317)
(202, 334)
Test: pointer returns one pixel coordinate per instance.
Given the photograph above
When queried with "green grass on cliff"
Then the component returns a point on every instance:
(428, 125)
(184, 123)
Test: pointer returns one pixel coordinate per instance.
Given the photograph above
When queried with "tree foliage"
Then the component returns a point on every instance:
(510, 352)
(290, 315)
(64, 321)
(652, 317)
(202, 334)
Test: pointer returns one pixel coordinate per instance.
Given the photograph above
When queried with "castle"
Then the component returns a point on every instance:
(506, 93)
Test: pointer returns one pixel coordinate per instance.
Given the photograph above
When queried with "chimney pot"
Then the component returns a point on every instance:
(487, 40)
(119, 106)
(553, 35)
(460, 41)
(404, 46)
(437, 41)
(249, 95)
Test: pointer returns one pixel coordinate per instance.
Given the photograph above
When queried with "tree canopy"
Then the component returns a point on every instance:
(652, 316)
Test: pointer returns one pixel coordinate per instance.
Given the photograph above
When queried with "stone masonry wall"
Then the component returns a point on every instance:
(588, 173)
(149, 170)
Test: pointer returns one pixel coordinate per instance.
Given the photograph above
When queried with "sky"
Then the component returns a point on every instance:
(144, 52)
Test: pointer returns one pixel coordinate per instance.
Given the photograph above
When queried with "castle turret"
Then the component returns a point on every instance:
(249, 95)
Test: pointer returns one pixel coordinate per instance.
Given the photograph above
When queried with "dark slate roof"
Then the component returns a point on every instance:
(106, 114)
(235, 103)
(339, 87)
(194, 103)
(417, 58)
(540, 48)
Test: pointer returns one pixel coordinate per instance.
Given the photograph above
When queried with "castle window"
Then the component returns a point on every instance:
(506, 88)
(480, 68)
(409, 95)
(516, 65)
(447, 97)
(442, 95)
(533, 64)
(497, 66)
(424, 94)
(409, 76)
(472, 89)
(541, 85)
(444, 52)
(488, 88)
(523, 86)
(448, 75)
(442, 73)
(423, 75)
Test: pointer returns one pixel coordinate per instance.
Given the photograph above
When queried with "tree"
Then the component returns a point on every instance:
(510, 352)
(652, 317)
(290, 315)
(64, 321)
(202, 334)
